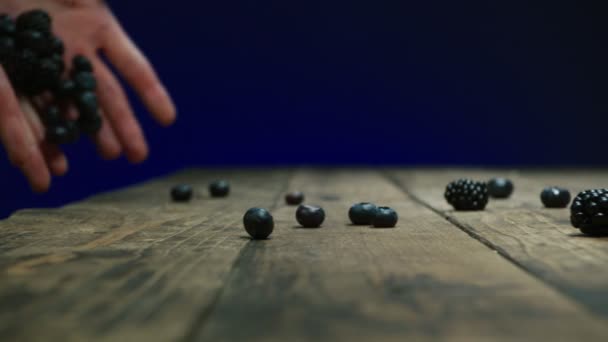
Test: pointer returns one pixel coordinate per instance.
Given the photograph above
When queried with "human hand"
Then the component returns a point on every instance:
(89, 28)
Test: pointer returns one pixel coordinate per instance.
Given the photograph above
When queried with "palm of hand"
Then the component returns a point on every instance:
(87, 27)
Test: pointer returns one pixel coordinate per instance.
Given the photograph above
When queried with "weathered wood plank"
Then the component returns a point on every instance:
(541, 240)
(425, 279)
(139, 268)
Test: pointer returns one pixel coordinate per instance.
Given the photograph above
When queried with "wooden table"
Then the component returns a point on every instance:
(131, 265)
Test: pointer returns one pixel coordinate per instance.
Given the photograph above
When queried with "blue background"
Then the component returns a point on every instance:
(350, 82)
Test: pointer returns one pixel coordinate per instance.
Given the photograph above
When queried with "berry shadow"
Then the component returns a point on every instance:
(246, 237)
(306, 228)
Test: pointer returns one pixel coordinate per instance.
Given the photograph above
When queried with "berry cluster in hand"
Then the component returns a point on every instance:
(466, 194)
(33, 59)
(589, 212)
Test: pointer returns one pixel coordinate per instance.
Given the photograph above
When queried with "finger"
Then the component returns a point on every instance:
(55, 159)
(19, 139)
(107, 143)
(138, 72)
(115, 105)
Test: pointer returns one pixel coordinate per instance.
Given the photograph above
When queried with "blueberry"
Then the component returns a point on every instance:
(65, 89)
(258, 222)
(52, 116)
(49, 72)
(7, 47)
(294, 198)
(34, 40)
(73, 131)
(36, 19)
(90, 125)
(500, 187)
(362, 213)
(385, 218)
(310, 216)
(219, 188)
(82, 64)
(87, 104)
(57, 46)
(58, 134)
(555, 197)
(7, 25)
(181, 193)
(85, 81)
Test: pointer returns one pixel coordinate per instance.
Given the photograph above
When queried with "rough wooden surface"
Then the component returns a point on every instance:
(132, 265)
(540, 240)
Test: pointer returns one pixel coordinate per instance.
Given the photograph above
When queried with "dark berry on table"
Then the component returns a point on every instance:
(310, 216)
(466, 194)
(52, 116)
(385, 218)
(258, 222)
(90, 125)
(81, 63)
(500, 187)
(7, 25)
(589, 212)
(219, 188)
(181, 192)
(555, 197)
(294, 198)
(85, 81)
(58, 134)
(362, 213)
(37, 19)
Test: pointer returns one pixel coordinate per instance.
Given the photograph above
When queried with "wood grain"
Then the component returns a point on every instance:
(423, 280)
(130, 265)
(540, 240)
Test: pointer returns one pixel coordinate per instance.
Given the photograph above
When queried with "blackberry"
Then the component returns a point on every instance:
(37, 19)
(294, 198)
(310, 216)
(500, 188)
(85, 81)
(385, 218)
(219, 188)
(466, 194)
(589, 212)
(258, 223)
(7, 25)
(81, 64)
(362, 213)
(181, 193)
(555, 197)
